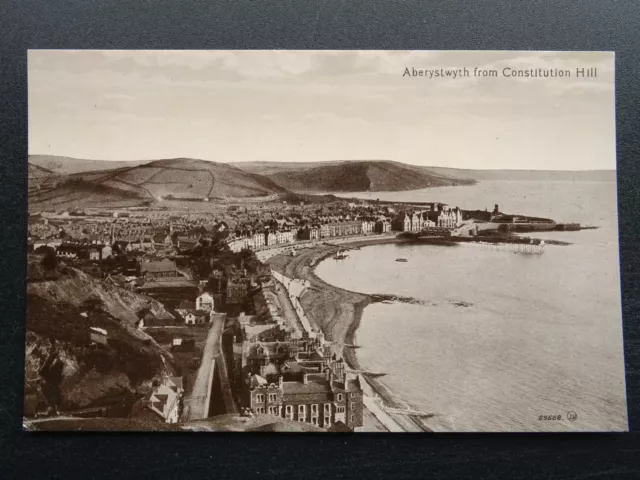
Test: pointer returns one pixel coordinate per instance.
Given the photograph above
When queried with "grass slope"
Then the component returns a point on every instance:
(352, 176)
(295, 170)
(67, 165)
(180, 178)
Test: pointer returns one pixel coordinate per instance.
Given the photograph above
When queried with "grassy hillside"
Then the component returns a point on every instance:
(179, 178)
(351, 176)
(66, 165)
(298, 171)
(38, 172)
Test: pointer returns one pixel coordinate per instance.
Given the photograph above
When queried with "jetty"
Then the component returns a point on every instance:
(526, 248)
(366, 373)
(407, 411)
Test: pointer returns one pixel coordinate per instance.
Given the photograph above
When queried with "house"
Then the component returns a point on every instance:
(205, 302)
(196, 317)
(106, 252)
(368, 226)
(285, 236)
(382, 226)
(166, 399)
(69, 251)
(339, 229)
(183, 344)
(151, 320)
(309, 233)
(98, 335)
(186, 243)
(321, 398)
(236, 291)
(123, 246)
(95, 253)
(159, 269)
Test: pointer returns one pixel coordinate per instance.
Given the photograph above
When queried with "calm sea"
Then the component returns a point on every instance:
(500, 339)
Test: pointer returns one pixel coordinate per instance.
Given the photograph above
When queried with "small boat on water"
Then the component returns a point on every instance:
(401, 260)
(339, 255)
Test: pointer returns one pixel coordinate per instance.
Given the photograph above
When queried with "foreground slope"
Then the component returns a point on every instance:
(63, 369)
(221, 423)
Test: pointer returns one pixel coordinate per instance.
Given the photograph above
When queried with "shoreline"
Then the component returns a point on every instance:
(338, 312)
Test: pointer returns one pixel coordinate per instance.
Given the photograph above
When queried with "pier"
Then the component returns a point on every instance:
(407, 411)
(530, 247)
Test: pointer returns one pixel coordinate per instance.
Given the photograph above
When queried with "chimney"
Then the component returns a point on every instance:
(305, 380)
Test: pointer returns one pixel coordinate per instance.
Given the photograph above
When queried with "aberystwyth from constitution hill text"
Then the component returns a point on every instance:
(507, 72)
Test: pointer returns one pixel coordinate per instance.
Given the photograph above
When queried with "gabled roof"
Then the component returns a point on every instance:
(257, 381)
(165, 265)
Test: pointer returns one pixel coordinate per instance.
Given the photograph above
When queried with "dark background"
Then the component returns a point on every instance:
(310, 24)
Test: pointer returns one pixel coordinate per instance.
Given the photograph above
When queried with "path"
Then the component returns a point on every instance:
(196, 405)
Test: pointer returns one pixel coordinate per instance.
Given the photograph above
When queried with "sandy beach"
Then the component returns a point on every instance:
(338, 313)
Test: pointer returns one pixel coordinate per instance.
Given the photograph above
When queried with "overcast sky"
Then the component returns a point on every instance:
(311, 106)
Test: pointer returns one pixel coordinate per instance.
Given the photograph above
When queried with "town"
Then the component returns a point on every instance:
(240, 339)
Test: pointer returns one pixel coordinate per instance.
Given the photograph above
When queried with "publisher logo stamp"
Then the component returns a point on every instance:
(572, 416)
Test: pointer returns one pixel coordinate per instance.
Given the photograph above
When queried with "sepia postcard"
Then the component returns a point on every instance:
(323, 241)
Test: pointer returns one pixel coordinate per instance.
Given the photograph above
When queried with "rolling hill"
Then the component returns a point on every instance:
(351, 176)
(179, 179)
(67, 165)
(292, 174)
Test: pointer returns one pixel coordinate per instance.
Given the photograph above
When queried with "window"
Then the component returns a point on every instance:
(327, 421)
(273, 410)
(327, 407)
(289, 410)
(353, 419)
(301, 410)
(340, 409)
(314, 420)
(273, 398)
(314, 408)
(260, 410)
(259, 398)
(339, 397)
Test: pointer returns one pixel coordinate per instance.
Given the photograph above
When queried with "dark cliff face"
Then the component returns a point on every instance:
(64, 368)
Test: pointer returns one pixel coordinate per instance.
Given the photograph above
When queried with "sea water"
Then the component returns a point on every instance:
(500, 341)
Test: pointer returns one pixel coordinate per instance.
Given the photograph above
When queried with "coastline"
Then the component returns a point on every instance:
(338, 313)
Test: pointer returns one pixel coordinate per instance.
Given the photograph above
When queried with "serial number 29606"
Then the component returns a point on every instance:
(550, 417)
